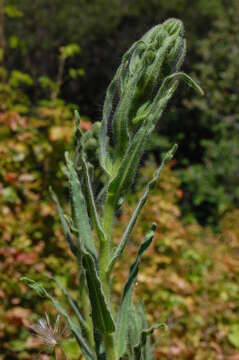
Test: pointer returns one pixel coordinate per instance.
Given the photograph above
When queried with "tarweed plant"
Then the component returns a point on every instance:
(136, 98)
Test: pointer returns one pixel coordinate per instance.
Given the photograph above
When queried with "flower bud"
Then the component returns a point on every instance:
(158, 54)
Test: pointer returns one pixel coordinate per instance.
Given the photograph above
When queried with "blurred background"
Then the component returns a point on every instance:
(59, 56)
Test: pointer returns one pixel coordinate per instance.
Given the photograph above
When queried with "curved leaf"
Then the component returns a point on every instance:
(85, 239)
(64, 224)
(101, 316)
(126, 301)
(149, 187)
(76, 331)
(139, 348)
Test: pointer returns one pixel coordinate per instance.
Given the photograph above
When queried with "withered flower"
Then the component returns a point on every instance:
(51, 336)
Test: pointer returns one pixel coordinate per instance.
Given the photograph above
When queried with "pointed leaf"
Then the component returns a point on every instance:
(74, 328)
(78, 137)
(149, 187)
(103, 137)
(74, 306)
(64, 224)
(101, 316)
(189, 81)
(91, 201)
(126, 301)
(137, 322)
(126, 172)
(121, 115)
(85, 239)
(139, 348)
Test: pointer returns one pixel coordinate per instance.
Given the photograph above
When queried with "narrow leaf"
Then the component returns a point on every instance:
(181, 76)
(121, 115)
(103, 138)
(101, 316)
(74, 328)
(126, 301)
(126, 172)
(85, 239)
(78, 137)
(64, 224)
(91, 201)
(74, 306)
(189, 81)
(149, 187)
(139, 348)
(137, 322)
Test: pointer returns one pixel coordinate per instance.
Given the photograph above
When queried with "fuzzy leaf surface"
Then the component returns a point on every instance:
(126, 172)
(86, 239)
(126, 301)
(149, 187)
(73, 304)
(64, 224)
(139, 352)
(101, 316)
(91, 201)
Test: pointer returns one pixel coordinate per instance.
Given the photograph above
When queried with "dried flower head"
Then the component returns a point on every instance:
(51, 336)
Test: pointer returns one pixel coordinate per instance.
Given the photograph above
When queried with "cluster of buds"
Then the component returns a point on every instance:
(143, 84)
(158, 54)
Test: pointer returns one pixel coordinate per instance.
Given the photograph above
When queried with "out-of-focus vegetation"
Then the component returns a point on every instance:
(52, 53)
(35, 31)
(31, 151)
(188, 278)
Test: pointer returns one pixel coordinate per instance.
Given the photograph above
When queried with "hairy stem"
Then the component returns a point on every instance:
(105, 247)
(105, 253)
(110, 347)
(87, 311)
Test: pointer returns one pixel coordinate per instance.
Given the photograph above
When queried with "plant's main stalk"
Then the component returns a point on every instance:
(145, 81)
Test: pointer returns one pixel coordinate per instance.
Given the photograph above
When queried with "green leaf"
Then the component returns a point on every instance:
(64, 224)
(139, 348)
(137, 322)
(12, 11)
(175, 77)
(127, 169)
(86, 240)
(101, 316)
(188, 80)
(91, 201)
(76, 331)
(103, 137)
(121, 115)
(71, 349)
(233, 336)
(19, 78)
(70, 50)
(14, 42)
(74, 306)
(126, 301)
(149, 187)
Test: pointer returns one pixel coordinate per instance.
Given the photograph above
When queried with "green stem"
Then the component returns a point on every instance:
(108, 220)
(110, 347)
(86, 310)
(103, 260)
(105, 253)
(105, 247)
